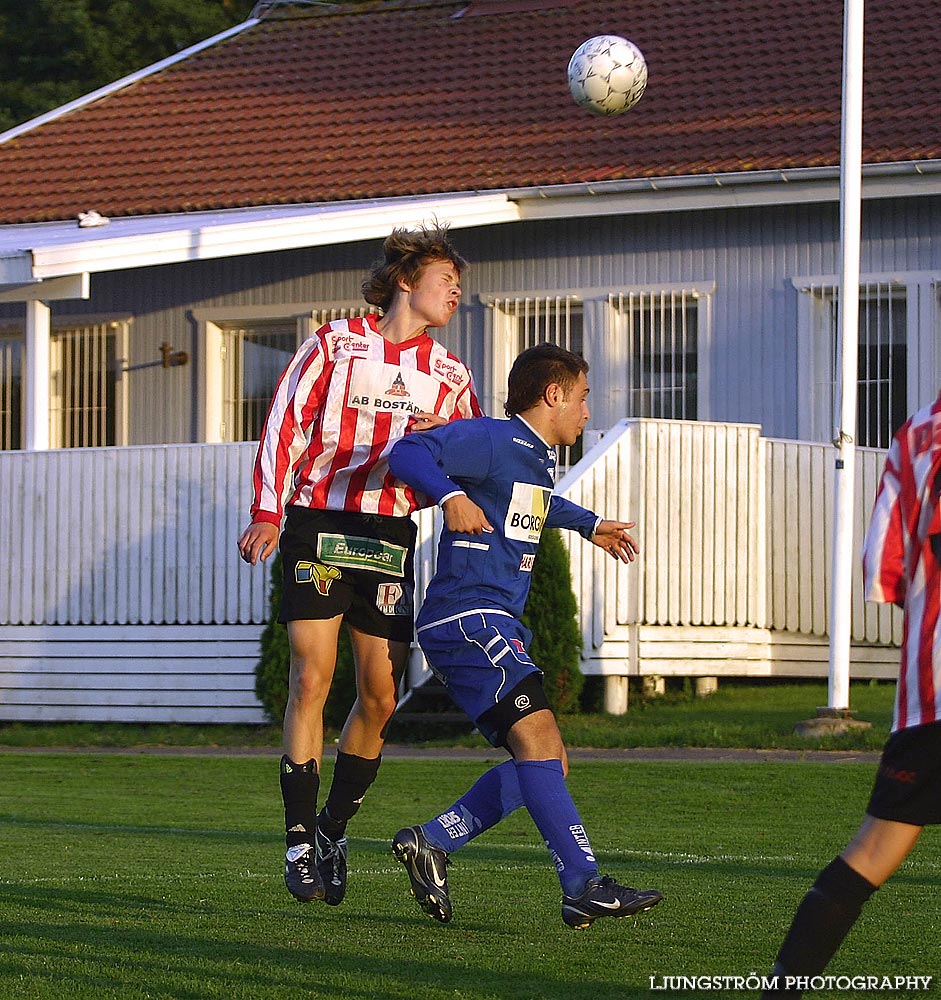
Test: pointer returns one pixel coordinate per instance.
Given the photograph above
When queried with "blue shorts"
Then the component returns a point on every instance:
(482, 660)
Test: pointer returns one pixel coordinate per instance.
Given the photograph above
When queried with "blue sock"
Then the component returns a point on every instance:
(546, 796)
(495, 794)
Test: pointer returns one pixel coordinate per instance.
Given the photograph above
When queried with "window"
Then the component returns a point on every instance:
(642, 345)
(253, 358)
(897, 362)
(83, 397)
(882, 402)
(255, 344)
(659, 330)
(11, 399)
(86, 387)
(531, 320)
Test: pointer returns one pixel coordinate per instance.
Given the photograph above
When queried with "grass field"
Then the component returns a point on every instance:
(758, 715)
(133, 876)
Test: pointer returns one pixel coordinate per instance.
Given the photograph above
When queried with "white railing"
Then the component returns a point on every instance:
(799, 488)
(734, 531)
(115, 536)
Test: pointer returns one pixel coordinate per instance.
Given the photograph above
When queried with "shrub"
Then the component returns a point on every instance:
(552, 616)
(273, 668)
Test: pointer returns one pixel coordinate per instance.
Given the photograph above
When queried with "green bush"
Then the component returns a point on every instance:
(552, 616)
(273, 668)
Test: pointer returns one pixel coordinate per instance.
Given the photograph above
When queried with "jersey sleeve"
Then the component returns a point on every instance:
(884, 545)
(565, 514)
(294, 407)
(468, 404)
(438, 461)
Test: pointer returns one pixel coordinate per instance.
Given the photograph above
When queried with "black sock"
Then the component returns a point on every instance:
(823, 919)
(352, 777)
(300, 784)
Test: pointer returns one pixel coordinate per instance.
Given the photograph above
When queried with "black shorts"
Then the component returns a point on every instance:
(356, 565)
(908, 783)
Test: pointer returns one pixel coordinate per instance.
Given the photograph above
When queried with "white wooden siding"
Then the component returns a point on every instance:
(115, 536)
(750, 360)
(142, 673)
(122, 596)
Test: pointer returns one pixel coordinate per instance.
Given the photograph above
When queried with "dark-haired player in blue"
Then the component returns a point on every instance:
(494, 482)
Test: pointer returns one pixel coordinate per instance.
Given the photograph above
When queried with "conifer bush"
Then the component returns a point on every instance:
(552, 616)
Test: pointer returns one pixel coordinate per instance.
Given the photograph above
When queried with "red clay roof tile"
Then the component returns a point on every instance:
(428, 96)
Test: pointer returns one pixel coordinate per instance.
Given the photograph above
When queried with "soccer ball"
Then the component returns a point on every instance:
(607, 75)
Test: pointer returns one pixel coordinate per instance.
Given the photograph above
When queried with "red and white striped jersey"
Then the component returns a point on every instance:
(344, 399)
(902, 561)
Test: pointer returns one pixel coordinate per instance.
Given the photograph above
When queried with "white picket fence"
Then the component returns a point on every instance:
(122, 596)
(734, 572)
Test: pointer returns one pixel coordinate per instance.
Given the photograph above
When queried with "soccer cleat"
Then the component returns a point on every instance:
(427, 871)
(603, 897)
(300, 874)
(331, 866)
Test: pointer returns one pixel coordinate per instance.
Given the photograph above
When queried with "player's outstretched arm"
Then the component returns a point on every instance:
(258, 541)
(613, 537)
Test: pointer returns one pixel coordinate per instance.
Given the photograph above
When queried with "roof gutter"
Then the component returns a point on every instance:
(125, 81)
(722, 190)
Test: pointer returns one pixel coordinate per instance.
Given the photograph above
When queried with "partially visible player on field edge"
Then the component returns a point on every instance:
(350, 391)
(901, 565)
(494, 481)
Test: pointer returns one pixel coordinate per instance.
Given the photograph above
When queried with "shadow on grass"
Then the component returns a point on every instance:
(187, 960)
(137, 829)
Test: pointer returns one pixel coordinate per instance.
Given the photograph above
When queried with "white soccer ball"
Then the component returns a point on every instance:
(607, 75)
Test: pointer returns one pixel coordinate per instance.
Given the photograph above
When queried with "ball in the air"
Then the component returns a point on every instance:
(607, 75)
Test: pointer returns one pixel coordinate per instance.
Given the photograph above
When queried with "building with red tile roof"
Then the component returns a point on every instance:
(347, 102)
(167, 242)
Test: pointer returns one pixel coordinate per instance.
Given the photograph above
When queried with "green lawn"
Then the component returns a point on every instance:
(142, 876)
(760, 715)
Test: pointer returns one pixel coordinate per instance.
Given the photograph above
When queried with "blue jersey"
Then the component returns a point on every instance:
(506, 468)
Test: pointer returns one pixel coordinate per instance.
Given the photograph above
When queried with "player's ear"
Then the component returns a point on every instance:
(553, 394)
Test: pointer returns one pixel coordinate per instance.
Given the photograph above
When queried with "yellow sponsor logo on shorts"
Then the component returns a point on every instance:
(318, 574)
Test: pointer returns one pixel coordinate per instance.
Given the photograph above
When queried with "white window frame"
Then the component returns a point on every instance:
(605, 349)
(210, 340)
(816, 419)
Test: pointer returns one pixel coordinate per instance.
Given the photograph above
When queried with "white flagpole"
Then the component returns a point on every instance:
(845, 470)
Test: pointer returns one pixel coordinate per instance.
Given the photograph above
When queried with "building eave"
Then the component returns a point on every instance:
(41, 251)
(696, 192)
(37, 252)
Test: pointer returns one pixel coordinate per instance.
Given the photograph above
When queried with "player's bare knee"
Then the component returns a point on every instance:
(377, 706)
(308, 688)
